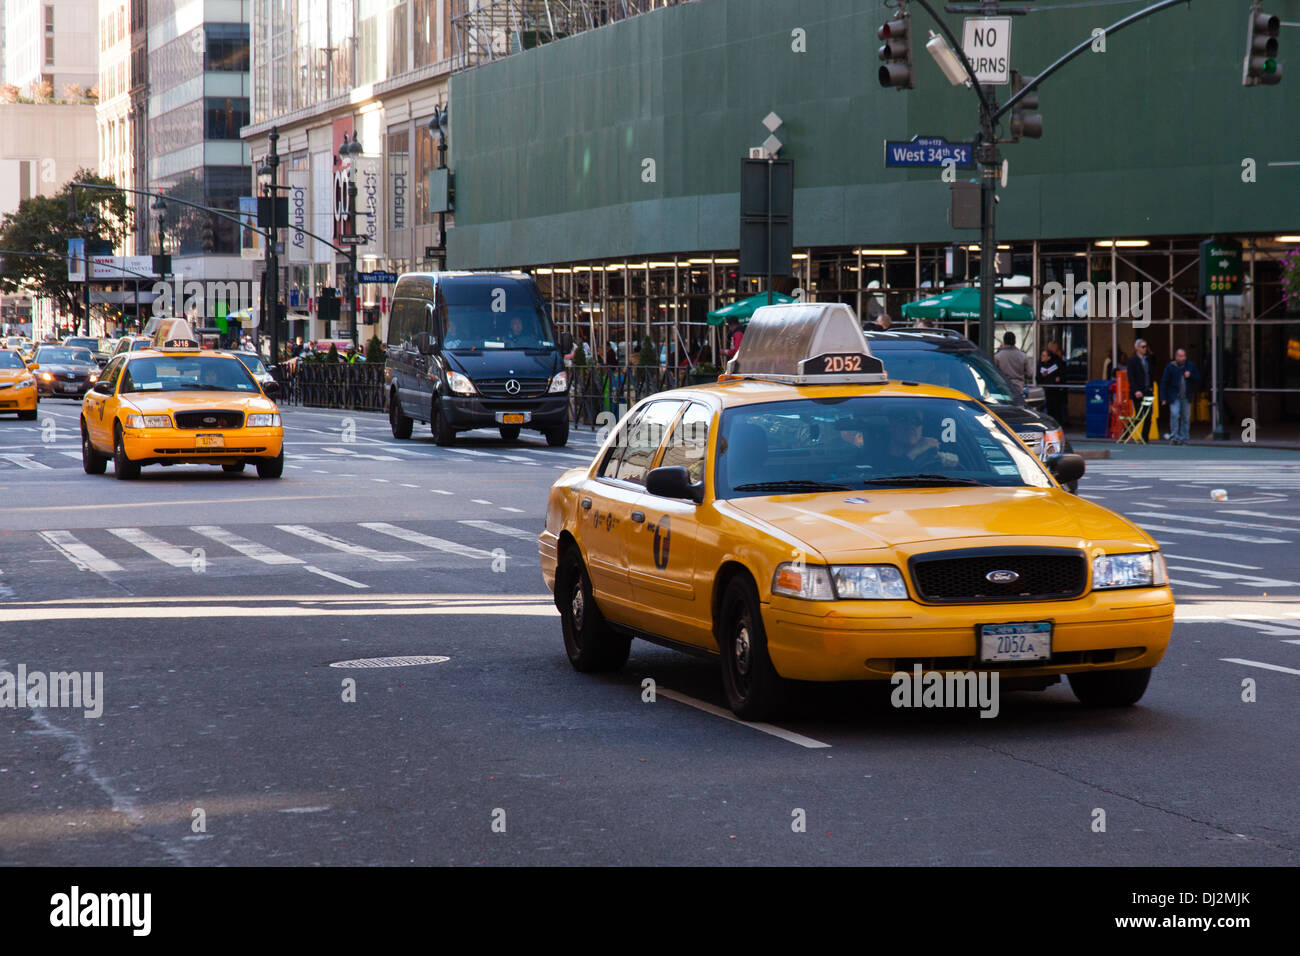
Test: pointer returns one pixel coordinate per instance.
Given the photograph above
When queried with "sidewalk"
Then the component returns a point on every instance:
(1198, 449)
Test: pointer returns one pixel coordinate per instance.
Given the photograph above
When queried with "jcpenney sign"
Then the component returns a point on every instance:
(299, 249)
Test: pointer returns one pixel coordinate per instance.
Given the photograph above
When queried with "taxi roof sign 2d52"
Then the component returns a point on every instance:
(806, 343)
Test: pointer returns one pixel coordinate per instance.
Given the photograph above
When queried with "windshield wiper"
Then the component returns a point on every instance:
(794, 484)
(198, 386)
(921, 479)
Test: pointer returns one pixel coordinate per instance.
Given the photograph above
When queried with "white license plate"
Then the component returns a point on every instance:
(1027, 641)
(209, 441)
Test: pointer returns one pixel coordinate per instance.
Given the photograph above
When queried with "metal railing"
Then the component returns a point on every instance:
(357, 386)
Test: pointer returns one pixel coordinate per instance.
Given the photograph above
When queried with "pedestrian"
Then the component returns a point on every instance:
(1013, 364)
(1063, 402)
(1178, 387)
(1051, 376)
(734, 334)
(1139, 373)
(883, 322)
(924, 323)
(297, 347)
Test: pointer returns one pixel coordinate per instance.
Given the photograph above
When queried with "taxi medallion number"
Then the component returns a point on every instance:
(209, 441)
(1026, 641)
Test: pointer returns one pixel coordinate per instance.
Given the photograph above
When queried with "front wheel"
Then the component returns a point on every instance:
(271, 467)
(397, 419)
(124, 469)
(755, 691)
(443, 433)
(1111, 688)
(590, 642)
(558, 436)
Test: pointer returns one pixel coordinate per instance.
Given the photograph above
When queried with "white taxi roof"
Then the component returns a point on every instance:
(806, 343)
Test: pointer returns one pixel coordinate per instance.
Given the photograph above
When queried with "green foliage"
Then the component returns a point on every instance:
(35, 238)
(375, 350)
(579, 354)
(333, 355)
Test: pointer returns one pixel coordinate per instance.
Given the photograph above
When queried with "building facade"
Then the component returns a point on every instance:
(123, 111)
(50, 42)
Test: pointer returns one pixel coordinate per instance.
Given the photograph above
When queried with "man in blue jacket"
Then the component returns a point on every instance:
(1178, 387)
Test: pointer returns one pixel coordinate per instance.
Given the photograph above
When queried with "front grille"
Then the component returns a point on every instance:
(1035, 441)
(219, 419)
(496, 387)
(1045, 574)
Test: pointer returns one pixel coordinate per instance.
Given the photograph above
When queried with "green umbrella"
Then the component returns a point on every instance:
(964, 303)
(745, 308)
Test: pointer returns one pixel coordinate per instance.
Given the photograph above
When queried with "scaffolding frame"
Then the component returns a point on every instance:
(487, 30)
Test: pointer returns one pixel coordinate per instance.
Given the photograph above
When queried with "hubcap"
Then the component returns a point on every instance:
(577, 605)
(741, 652)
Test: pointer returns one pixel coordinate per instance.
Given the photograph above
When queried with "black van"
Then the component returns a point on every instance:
(475, 350)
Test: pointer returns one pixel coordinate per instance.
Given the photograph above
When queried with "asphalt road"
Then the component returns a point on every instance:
(214, 605)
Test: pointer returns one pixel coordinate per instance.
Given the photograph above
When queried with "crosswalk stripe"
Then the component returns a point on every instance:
(1252, 514)
(1191, 584)
(250, 549)
(1245, 538)
(26, 461)
(154, 547)
(1217, 522)
(329, 541)
(426, 540)
(1222, 564)
(1267, 667)
(82, 555)
(501, 529)
(334, 577)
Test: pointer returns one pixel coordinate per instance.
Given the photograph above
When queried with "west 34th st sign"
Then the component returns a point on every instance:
(928, 151)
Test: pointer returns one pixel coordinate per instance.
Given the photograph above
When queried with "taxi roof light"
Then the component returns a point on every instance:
(174, 334)
(806, 343)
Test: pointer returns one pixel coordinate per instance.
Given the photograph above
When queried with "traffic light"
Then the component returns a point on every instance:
(327, 308)
(1024, 123)
(208, 236)
(1261, 67)
(896, 54)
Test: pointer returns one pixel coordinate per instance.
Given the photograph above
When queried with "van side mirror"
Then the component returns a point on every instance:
(424, 343)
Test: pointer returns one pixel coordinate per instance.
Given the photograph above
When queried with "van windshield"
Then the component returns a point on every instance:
(491, 313)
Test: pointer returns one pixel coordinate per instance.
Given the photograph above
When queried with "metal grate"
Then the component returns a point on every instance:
(498, 387)
(1043, 574)
(210, 418)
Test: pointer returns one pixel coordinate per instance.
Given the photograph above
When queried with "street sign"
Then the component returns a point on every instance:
(928, 151)
(1220, 267)
(431, 252)
(376, 276)
(986, 41)
(359, 239)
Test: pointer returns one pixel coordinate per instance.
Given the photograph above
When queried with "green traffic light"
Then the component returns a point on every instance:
(1270, 66)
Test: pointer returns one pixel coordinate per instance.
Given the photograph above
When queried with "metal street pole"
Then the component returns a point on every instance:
(1220, 432)
(349, 283)
(271, 274)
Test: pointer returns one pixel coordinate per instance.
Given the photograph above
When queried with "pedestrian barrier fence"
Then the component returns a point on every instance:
(357, 386)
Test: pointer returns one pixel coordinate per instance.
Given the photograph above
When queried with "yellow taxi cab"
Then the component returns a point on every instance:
(805, 519)
(174, 404)
(18, 391)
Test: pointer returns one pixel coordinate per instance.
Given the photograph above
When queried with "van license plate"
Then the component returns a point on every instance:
(1027, 641)
(209, 441)
(510, 418)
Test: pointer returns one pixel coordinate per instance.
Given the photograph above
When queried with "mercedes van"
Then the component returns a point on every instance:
(475, 350)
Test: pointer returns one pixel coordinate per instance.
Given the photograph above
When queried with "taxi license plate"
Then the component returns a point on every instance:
(1025, 641)
(209, 441)
(512, 419)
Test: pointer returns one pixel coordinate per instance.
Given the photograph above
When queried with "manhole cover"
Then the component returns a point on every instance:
(391, 661)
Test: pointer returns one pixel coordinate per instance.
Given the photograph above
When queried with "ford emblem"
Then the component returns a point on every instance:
(1002, 577)
(209, 420)
(512, 387)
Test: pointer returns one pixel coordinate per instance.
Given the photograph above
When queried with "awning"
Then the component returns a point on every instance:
(745, 307)
(964, 303)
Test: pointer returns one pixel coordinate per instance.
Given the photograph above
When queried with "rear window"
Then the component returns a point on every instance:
(968, 372)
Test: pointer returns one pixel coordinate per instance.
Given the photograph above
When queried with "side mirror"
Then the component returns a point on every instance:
(566, 342)
(424, 343)
(1064, 468)
(102, 387)
(673, 482)
(32, 367)
(272, 389)
(1035, 396)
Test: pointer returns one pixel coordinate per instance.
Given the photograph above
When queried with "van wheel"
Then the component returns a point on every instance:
(509, 432)
(558, 436)
(443, 433)
(27, 416)
(124, 469)
(401, 425)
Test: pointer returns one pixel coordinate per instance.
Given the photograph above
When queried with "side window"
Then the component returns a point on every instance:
(689, 441)
(112, 373)
(609, 467)
(429, 324)
(399, 323)
(644, 439)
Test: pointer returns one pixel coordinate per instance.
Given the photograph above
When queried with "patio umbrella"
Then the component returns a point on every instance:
(745, 308)
(964, 303)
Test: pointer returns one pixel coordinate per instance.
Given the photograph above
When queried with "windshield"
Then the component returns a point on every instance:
(186, 373)
(867, 442)
(494, 313)
(91, 344)
(969, 372)
(252, 363)
(11, 360)
(45, 356)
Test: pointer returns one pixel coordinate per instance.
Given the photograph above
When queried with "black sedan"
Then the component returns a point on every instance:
(63, 372)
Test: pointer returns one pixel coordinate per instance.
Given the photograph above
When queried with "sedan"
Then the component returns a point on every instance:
(64, 372)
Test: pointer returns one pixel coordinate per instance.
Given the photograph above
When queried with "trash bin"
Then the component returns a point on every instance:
(1097, 413)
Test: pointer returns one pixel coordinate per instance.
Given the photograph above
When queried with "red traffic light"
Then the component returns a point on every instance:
(894, 29)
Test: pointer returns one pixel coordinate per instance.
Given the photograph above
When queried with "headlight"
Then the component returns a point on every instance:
(47, 376)
(560, 383)
(881, 582)
(1055, 442)
(94, 376)
(810, 582)
(26, 383)
(263, 421)
(148, 421)
(460, 384)
(1143, 570)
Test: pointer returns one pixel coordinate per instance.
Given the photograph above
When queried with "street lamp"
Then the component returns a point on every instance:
(438, 125)
(349, 152)
(161, 262)
(88, 222)
(271, 269)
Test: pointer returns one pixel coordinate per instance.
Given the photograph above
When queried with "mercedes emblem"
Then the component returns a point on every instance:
(1002, 577)
(512, 387)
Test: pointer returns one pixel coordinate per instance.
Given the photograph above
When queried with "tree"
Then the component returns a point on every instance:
(375, 350)
(649, 354)
(36, 237)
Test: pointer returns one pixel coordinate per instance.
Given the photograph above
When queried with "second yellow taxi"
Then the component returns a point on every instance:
(18, 391)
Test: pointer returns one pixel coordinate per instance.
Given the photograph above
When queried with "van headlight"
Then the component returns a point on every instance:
(148, 421)
(560, 383)
(263, 421)
(460, 384)
(1144, 570)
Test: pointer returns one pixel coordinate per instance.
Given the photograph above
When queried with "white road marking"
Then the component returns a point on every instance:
(334, 577)
(83, 556)
(439, 491)
(1222, 535)
(1273, 630)
(26, 461)
(517, 511)
(154, 547)
(329, 541)
(325, 608)
(250, 549)
(501, 529)
(775, 731)
(1190, 584)
(1263, 514)
(1217, 522)
(480, 501)
(427, 541)
(1222, 564)
(1267, 667)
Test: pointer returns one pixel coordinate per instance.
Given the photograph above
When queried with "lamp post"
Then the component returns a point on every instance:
(271, 269)
(438, 124)
(350, 151)
(88, 221)
(161, 266)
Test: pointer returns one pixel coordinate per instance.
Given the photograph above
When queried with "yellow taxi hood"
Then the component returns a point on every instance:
(841, 524)
(13, 374)
(158, 403)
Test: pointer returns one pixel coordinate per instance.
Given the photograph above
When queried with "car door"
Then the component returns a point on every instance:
(608, 505)
(95, 405)
(661, 551)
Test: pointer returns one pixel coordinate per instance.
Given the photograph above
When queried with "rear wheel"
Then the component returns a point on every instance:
(397, 419)
(754, 689)
(558, 436)
(124, 469)
(443, 433)
(509, 432)
(271, 467)
(92, 462)
(1111, 688)
(233, 467)
(592, 645)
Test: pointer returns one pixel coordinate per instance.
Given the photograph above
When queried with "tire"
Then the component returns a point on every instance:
(401, 425)
(233, 467)
(593, 647)
(124, 469)
(1072, 487)
(27, 416)
(443, 433)
(92, 462)
(558, 436)
(509, 432)
(272, 467)
(1111, 688)
(754, 689)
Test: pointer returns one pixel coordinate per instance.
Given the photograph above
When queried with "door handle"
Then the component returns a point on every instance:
(586, 504)
(638, 516)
